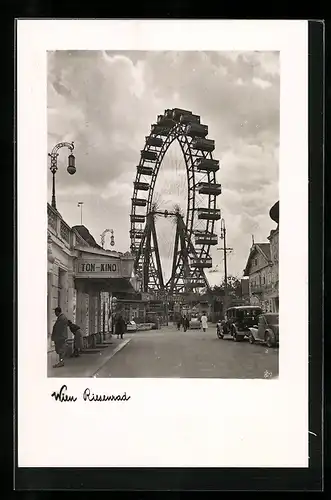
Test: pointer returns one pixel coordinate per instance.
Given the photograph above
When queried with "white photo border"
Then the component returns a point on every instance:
(167, 422)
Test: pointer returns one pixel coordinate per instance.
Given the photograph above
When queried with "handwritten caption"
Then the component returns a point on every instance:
(63, 397)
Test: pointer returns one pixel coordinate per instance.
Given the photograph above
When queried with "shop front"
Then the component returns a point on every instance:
(82, 280)
(98, 278)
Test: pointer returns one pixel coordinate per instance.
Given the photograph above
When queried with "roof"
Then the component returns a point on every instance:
(116, 285)
(87, 236)
(263, 249)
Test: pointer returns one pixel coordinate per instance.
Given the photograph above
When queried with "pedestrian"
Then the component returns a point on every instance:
(120, 326)
(178, 323)
(113, 320)
(60, 335)
(186, 323)
(204, 321)
(77, 332)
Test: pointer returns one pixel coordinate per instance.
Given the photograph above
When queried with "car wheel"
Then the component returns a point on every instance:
(251, 339)
(269, 340)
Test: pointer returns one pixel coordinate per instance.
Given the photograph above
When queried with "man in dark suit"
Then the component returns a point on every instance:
(120, 326)
(60, 335)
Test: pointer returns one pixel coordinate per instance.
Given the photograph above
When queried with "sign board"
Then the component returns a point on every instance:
(110, 268)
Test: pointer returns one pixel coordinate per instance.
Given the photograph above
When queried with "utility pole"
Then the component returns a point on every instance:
(80, 204)
(225, 251)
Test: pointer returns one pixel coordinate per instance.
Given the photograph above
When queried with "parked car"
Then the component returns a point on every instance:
(266, 330)
(195, 323)
(238, 321)
(131, 326)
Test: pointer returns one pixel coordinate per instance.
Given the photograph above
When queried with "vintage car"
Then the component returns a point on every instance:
(131, 326)
(266, 330)
(195, 323)
(238, 321)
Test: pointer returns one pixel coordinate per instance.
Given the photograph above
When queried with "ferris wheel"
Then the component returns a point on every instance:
(195, 230)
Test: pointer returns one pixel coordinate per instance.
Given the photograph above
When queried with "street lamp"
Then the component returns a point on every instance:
(112, 239)
(53, 168)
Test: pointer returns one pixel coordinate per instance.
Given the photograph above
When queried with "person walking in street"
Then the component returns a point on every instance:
(60, 335)
(204, 321)
(77, 332)
(120, 326)
(186, 323)
(179, 322)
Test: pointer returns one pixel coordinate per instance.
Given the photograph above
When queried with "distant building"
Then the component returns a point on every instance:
(258, 269)
(262, 269)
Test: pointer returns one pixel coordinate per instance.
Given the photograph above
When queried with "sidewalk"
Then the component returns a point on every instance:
(88, 363)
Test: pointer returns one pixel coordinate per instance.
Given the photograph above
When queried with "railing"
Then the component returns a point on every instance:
(52, 218)
(59, 228)
(64, 232)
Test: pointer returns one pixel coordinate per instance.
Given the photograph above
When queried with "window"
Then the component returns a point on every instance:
(255, 262)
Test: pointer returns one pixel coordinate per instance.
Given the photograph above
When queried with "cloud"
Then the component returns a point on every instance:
(106, 103)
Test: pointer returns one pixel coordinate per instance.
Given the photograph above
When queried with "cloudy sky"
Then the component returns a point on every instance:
(106, 102)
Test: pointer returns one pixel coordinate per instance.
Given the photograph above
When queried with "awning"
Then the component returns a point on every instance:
(113, 285)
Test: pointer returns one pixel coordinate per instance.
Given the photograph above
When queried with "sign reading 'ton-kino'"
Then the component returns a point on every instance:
(85, 267)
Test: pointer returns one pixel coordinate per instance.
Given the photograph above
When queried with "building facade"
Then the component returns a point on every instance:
(258, 269)
(274, 254)
(82, 278)
(262, 269)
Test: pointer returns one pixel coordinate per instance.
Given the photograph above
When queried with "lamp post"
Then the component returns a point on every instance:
(53, 168)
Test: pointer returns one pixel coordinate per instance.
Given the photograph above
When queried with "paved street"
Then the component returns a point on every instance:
(169, 353)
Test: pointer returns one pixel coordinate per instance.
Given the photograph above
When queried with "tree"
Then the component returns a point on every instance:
(233, 288)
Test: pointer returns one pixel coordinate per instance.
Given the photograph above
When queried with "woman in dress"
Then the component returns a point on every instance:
(204, 321)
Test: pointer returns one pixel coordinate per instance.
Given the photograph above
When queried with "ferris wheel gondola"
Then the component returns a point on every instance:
(195, 232)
